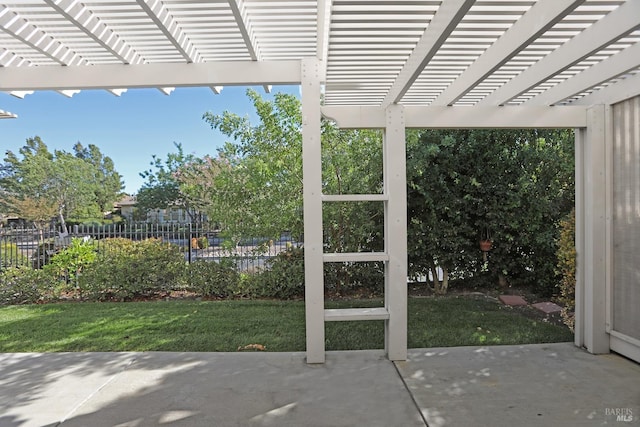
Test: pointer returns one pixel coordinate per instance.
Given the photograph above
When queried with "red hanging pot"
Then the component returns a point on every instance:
(485, 245)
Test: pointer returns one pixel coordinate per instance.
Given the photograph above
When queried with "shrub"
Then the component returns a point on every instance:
(69, 262)
(567, 268)
(284, 276)
(212, 279)
(343, 278)
(24, 285)
(10, 255)
(249, 285)
(128, 269)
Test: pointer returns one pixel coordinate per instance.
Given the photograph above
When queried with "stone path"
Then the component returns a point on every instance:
(547, 307)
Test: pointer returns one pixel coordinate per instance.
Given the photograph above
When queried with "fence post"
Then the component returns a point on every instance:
(189, 242)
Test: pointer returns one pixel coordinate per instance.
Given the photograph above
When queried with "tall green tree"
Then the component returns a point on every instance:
(259, 188)
(41, 178)
(161, 189)
(197, 181)
(107, 182)
(352, 164)
(255, 183)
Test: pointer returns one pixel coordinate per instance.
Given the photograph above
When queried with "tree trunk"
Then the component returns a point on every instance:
(445, 281)
(63, 224)
(439, 286)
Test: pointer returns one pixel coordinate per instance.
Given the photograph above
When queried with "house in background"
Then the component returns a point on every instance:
(126, 206)
(172, 215)
(8, 219)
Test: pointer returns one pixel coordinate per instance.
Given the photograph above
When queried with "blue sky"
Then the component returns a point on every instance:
(130, 128)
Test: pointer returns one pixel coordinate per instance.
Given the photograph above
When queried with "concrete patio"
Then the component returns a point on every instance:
(529, 385)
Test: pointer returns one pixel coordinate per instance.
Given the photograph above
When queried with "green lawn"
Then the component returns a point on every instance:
(227, 325)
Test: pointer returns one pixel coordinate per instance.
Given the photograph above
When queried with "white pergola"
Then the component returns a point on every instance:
(7, 115)
(388, 64)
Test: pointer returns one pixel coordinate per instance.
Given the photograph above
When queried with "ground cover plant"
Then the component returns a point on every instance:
(191, 325)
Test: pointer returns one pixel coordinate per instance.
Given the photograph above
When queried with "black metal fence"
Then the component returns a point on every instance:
(33, 247)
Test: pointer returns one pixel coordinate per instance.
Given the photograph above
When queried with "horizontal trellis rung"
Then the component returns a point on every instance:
(354, 197)
(355, 257)
(348, 314)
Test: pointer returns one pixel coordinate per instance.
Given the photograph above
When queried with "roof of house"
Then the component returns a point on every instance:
(126, 201)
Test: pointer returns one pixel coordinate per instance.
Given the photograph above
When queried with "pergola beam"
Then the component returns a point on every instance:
(88, 23)
(20, 94)
(543, 15)
(462, 117)
(324, 26)
(443, 23)
(608, 69)
(7, 115)
(230, 73)
(117, 91)
(19, 28)
(237, 8)
(624, 89)
(612, 27)
(69, 92)
(166, 23)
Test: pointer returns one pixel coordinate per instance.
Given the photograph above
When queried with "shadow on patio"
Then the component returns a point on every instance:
(541, 384)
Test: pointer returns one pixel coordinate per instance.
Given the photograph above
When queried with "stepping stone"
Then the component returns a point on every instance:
(548, 307)
(512, 300)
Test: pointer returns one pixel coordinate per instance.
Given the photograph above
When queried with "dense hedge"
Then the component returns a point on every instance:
(126, 269)
(211, 279)
(567, 268)
(24, 285)
(284, 277)
(122, 269)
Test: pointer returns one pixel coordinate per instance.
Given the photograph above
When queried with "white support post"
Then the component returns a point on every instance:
(578, 327)
(395, 179)
(591, 232)
(312, 198)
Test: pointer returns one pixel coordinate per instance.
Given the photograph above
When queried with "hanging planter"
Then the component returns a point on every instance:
(485, 242)
(485, 245)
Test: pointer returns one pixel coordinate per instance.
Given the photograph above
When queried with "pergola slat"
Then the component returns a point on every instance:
(440, 27)
(608, 69)
(607, 30)
(95, 29)
(542, 16)
(374, 52)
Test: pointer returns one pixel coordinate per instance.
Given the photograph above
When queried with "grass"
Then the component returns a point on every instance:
(279, 325)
